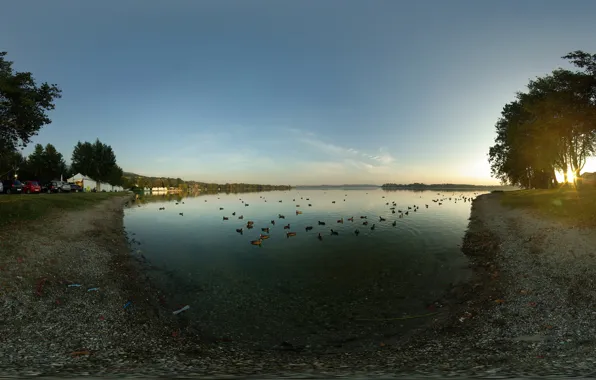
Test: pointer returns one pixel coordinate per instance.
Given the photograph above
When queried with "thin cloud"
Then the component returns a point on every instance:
(309, 138)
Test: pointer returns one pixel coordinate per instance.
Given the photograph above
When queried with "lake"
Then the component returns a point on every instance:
(344, 291)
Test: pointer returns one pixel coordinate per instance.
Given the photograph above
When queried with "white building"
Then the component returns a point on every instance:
(86, 183)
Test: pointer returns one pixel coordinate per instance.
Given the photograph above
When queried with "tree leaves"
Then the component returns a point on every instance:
(551, 127)
(23, 106)
(96, 161)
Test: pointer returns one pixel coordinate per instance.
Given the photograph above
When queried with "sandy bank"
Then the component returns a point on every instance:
(530, 309)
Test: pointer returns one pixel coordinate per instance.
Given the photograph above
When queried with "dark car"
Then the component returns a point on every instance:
(55, 187)
(75, 188)
(12, 186)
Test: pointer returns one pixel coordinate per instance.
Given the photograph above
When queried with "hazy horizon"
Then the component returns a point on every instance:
(300, 93)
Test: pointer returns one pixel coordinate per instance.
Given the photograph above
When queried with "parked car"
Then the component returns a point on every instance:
(31, 187)
(75, 188)
(56, 187)
(12, 186)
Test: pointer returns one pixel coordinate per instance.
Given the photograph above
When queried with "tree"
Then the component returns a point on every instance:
(116, 176)
(10, 163)
(36, 163)
(549, 128)
(96, 161)
(55, 167)
(23, 106)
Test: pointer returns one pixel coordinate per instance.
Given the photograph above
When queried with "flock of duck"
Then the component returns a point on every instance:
(264, 234)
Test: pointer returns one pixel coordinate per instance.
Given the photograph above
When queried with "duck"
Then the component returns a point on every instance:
(381, 219)
(249, 226)
(239, 230)
(266, 229)
(373, 227)
(162, 208)
(393, 211)
(294, 200)
(297, 205)
(298, 212)
(320, 237)
(250, 222)
(221, 208)
(363, 217)
(321, 223)
(225, 218)
(264, 237)
(241, 217)
(407, 212)
(246, 204)
(356, 232)
(309, 205)
(273, 222)
(279, 201)
(234, 213)
(256, 242)
(333, 202)
(308, 199)
(287, 227)
(365, 223)
(351, 219)
(394, 223)
(334, 232)
(340, 220)
(280, 216)
(308, 228)
(181, 214)
(288, 234)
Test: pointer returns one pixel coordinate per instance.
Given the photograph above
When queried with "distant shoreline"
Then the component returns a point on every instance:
(410, 187)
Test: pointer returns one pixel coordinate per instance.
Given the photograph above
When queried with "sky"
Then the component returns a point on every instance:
(291, 92)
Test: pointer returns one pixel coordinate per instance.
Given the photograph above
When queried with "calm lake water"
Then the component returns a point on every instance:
(334, 293)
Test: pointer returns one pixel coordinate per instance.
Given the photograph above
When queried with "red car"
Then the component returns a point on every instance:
(31, 187)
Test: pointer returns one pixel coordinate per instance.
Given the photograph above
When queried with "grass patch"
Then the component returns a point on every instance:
(566, 203)
(26, 207)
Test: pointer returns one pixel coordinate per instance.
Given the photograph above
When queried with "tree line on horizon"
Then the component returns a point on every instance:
(550, 128)
(24, 107)
(436, 186)
(93, 160)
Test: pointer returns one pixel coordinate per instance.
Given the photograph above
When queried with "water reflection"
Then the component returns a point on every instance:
(310, 291)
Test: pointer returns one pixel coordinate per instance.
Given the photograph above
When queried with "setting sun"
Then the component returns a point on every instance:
(561, 177)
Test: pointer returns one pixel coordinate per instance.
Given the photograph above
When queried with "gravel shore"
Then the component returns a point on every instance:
(529, 310)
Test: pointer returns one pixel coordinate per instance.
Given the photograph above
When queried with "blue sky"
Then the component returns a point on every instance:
(298, 92)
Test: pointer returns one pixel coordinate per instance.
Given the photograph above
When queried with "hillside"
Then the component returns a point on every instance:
(138, 180)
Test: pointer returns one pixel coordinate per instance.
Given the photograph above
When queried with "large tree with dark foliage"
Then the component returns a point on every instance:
(551, 127)
(96, 161)
(23, 106)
